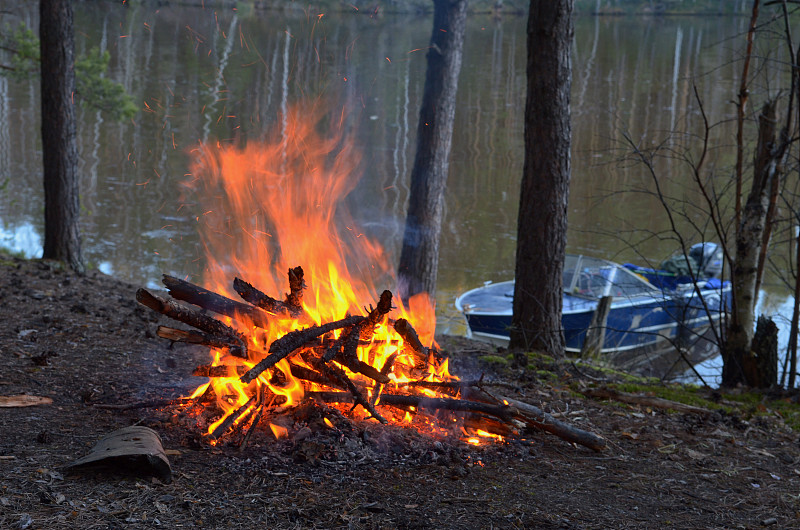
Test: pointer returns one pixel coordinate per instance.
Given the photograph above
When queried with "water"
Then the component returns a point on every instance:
(218, 74)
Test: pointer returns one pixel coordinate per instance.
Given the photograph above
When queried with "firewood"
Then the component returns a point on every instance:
(222, 370)
(345, 349)
(503, 412)
(312, 376)
(296, 286)
(191, 317)
(376, 315)
(199, 296)
(267, 303)
(539, 419)
(647, 401)
(356, 396)
(387, 368)
(204, 339)
(404, 328)
(260, 406)
(223, 427)
(292, 341)
(490, 425)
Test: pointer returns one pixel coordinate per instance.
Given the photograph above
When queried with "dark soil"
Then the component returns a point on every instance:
(84, 342)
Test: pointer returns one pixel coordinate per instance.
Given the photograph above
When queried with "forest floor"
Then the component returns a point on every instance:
(84, 342)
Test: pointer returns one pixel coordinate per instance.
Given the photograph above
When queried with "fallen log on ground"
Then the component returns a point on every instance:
(647, 401)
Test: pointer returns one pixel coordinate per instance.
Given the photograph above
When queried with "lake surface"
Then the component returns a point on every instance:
(208, 75)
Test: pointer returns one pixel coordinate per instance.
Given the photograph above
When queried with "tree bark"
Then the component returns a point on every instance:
(749, 234)
(419, 258)
(542, 222)
(59, 144)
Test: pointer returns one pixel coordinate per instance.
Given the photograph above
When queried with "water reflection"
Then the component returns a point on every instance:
(23, 240)
(228, 76)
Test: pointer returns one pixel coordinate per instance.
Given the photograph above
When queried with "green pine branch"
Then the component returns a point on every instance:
(93, 88)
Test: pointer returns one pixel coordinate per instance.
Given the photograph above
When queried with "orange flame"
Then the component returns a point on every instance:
(275, 204)
(278, 431)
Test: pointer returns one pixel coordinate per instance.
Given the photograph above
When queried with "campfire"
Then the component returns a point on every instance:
(331, 339)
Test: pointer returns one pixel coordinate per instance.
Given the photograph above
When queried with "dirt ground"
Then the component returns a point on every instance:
(84, 342)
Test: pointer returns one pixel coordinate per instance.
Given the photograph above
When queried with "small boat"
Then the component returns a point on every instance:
(648, 306)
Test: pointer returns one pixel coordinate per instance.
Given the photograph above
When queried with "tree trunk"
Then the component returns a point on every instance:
(542, 223)
(419, 258)
(59, 145)
(765, 354)
(749, 234)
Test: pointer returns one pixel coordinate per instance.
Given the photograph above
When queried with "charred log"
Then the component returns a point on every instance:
(191, 317)
(211, 301)
(223, 427)
(292, 341)
(233, 345)
(404, 328)
(296, 286)
(223, 370)
(356, 395)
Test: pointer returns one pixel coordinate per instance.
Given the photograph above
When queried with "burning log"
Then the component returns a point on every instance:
(222, 370)
(387, 368)
(346, 347)
(232, 418)
(204, 339)
(313, 376)
(194, 318)
(355, 393)
(199, 296)
(293, 306)
(496, 415)
(504, 412)
(296, 286)
(292, 341)
(404, 328)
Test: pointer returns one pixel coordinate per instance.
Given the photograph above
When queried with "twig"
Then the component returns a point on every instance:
(153, 403)
(231, 419)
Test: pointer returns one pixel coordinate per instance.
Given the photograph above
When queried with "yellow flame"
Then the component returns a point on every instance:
(279, 431)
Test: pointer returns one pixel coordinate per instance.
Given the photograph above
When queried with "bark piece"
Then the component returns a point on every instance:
(134, 449)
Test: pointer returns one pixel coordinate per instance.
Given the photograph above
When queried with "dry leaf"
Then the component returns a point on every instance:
(23, 400)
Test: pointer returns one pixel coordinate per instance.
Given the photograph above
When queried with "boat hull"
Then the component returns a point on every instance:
(677, 318)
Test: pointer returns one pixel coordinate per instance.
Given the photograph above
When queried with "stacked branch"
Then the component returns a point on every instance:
(315, 356)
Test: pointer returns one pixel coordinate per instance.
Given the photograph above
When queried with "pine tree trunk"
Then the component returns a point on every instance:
(542, 223)
(419, 258)
(59, 144)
